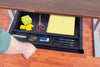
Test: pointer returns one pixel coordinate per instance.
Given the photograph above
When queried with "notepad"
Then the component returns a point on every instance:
(60, 24)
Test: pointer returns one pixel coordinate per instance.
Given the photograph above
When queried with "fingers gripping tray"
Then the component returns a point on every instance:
(42, 39)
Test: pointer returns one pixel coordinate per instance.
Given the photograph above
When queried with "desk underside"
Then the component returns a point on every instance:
(80, 8)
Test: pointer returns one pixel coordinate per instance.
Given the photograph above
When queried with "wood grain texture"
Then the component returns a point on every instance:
(4, 19)
(83, 8)
(50, 58)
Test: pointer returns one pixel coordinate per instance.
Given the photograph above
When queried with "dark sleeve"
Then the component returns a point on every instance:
(5, 40)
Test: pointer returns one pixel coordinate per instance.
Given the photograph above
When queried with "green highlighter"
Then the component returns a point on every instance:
(26, 19)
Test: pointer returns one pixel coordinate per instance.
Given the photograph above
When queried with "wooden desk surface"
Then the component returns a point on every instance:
(50, 58)
(83, 8)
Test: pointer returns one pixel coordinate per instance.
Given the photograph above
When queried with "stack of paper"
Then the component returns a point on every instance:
(59, 24)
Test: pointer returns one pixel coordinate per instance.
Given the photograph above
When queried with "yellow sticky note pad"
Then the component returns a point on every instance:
(26, 19)
(59, 24)
(28, 28)
(30, 25)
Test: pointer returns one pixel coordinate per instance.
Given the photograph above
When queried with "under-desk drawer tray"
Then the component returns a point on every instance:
(50, 41)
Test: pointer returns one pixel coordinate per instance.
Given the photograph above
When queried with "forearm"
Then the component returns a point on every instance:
(10, 45)
(15, 47)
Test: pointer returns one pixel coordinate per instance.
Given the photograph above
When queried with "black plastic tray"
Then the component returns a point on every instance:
(76, 48)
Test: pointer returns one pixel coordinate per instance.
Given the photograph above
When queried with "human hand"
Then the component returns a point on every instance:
(17, 47)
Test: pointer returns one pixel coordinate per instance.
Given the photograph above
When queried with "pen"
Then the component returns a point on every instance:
(65, 39)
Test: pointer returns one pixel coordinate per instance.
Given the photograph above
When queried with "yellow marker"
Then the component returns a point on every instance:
(22, 27)
(26, 20)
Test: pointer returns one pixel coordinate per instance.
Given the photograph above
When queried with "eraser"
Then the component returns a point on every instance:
(44, 39)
